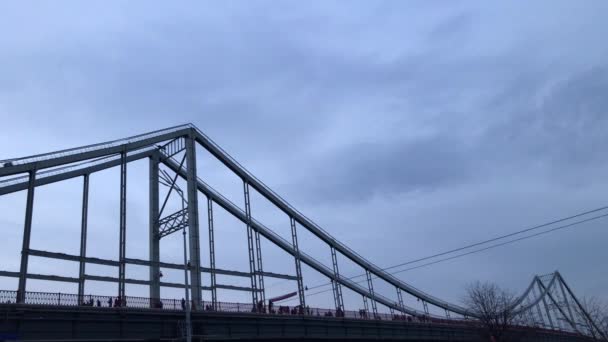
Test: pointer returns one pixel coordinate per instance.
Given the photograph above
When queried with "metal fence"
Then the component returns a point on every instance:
(131, 302)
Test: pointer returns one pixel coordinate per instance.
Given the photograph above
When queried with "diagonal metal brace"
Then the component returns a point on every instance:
(174, 222)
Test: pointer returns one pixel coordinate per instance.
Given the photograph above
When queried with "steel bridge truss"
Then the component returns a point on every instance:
(175, 149)
(550, 303)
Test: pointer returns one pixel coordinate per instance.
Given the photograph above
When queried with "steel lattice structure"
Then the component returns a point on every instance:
(548, 301)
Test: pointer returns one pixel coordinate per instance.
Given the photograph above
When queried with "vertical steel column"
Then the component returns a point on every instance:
(400, 298)
(123, 226)
(337, 286)
(365, 305)
(83, 237)
(260, 269)
(426, 307)
(592, 326)
(154, 232)
(334, 291)
(529, 313)
(212, 254)
(548, 312)
(370, 286)
(561, 286)
(250, 246)
(538, 309)
(27, 231)
(294, 241)
(258, 249)
(193, 224)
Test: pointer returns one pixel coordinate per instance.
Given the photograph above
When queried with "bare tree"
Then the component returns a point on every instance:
(494, 308)
(598, 311)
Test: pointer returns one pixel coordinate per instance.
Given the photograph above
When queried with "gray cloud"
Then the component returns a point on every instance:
(421, 120)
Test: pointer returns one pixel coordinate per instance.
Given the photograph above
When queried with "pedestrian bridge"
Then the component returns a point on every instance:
(30, 322)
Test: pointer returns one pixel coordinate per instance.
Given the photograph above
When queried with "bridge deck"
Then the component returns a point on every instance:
(33, 322)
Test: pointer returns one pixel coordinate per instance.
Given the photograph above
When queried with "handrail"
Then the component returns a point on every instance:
(8, 297)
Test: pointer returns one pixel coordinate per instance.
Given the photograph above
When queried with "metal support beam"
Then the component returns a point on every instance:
(250, 245)
(27, 232)
(212, 254)
(529, 314)
(83, 237)
(370, 286)
(336, 284)
(547, 311)
(123, 225)
(425, 306)
(140, 262)
(588, 318)
(193, 223)
(561, 286)
(260, 268)
(294, 241)
(538, 309)
(400, 297)
(154, 231)
(556, 306)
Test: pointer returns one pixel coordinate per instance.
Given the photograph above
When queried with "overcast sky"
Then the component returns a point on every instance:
(404, 128)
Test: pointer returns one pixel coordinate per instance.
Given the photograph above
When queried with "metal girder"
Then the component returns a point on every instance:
(294, 242)
(131, 261)
(83, 236)
(539, 311)
(563, 292)
(337, 287)
(154, 230)
(212, 254)
(193, 223)
(370, 286)
(556, 304)
(27, 232)
(173, 147)
(250, 245)
(60, 174)
(74, 155)
(588, 318)
(108, 279)
(173, 223)
(39, 277)
(400, 297)
(170, 183)
(123, 225)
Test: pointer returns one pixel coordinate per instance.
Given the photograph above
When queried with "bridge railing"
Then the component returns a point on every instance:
(134, 302)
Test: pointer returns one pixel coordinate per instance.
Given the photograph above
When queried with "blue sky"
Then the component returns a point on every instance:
(404, 128)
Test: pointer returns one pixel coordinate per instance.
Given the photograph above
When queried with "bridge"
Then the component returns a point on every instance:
(548, 308)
